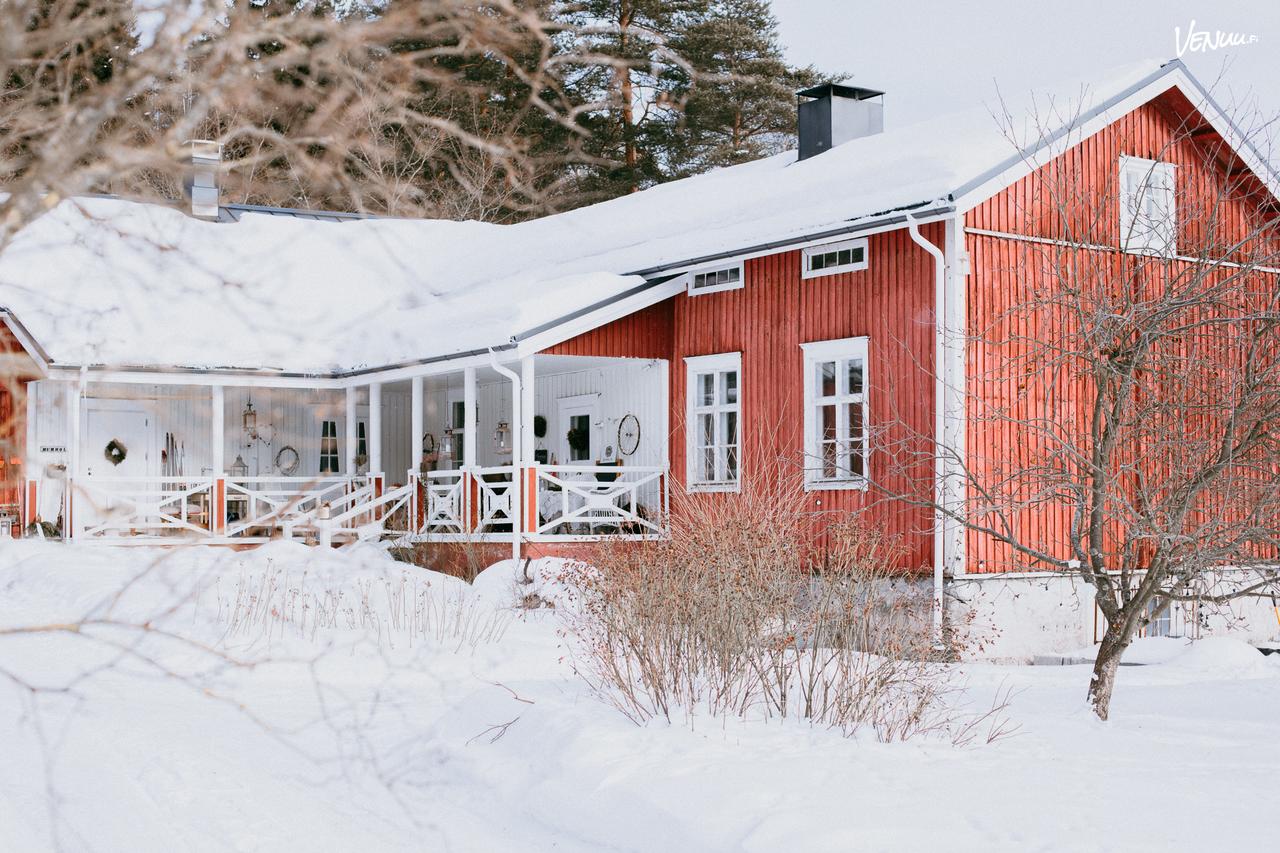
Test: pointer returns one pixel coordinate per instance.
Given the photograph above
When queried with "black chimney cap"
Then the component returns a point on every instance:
(824, 90)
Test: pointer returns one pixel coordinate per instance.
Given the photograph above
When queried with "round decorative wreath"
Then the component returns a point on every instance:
(287, 460)
(539, 426)
(579, 439)
(115, 451)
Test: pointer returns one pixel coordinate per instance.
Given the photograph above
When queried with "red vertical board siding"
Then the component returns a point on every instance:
(1003, 274)
(767, 320)
(16, 372)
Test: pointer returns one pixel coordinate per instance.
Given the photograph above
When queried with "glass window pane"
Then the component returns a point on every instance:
(708, 467)
(826, 379)
(846, 257)
(815, 262)
(706, 389)
(706, 430)
(828, 452)
(728, 427)
(853, 415)
(827, 422)
(854, 372)
(858, 255)
(730, 387)
(731, 464)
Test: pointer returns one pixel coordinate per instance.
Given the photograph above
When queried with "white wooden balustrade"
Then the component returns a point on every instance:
(269, 502)
(561, 502)
(593, 500)
(116, 507)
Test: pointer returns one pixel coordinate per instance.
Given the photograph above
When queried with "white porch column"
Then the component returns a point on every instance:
(70, 525)
(217, 430)
(352, 434)
(375, 428)
(525, 426)
(415, 425)
(73, 428)
(469, 417)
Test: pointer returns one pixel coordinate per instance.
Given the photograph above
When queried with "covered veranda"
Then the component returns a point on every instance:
(542, 448)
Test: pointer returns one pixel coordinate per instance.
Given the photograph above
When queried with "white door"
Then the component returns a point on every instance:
(579, 415)
(114, 442)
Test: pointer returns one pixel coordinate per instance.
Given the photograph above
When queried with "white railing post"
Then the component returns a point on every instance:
(217, 430)
(469, 417)
(415, 425)
(352, 434)
(73, 392)
(374, 436)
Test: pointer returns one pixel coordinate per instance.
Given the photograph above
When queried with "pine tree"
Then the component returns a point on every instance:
(629, 128)
(739, 104)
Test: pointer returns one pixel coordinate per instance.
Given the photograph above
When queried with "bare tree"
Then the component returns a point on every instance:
(329, 104)
(1123, 393)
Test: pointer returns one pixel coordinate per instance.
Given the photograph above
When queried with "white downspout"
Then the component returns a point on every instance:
(517, 475)
(939, 416)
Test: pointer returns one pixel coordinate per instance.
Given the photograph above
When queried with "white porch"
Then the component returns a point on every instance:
(550, 448)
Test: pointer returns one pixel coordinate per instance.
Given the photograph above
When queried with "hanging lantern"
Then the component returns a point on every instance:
(239, 468)
(502, 435)
(446, 444)
(250, 420)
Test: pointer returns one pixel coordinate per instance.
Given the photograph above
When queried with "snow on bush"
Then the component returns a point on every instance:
(544, 582)
(737, 615)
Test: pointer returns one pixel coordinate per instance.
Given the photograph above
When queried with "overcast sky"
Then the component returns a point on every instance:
(928, 55)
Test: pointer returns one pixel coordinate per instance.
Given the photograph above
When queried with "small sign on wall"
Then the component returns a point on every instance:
(53, 448)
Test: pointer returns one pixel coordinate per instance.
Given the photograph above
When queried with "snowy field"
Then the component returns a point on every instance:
(237, 702)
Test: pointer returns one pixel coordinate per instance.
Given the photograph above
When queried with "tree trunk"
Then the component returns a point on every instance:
(1105, 667)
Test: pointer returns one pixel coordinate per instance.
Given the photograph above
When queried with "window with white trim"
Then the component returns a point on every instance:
(835, 414)
(328, 447)
(1148, 220)
(711, 280)
(714, 393)
(832, 258)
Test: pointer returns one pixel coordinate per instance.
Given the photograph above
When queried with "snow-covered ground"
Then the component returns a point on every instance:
(372, 722)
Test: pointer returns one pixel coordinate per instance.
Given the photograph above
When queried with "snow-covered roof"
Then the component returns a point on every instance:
(125, 284)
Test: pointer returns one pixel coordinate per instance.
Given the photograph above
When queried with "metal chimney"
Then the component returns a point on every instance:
(202, 185)
(832, 114)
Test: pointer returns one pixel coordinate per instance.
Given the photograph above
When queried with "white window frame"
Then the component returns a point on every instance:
(696, 366)
(809, 252)
(840, 351)
(1157, 197)
(737, 284)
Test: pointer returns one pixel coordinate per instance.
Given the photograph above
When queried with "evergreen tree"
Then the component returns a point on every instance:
(739, 104)
(628, 77)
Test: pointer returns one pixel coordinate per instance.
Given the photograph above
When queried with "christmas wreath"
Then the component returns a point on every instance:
(115, 451)
(579, 439)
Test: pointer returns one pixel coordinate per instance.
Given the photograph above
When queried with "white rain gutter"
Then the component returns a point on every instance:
(939, 418)
(517, 454)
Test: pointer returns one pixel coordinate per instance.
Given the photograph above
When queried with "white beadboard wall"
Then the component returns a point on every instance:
(625, 387)
(292, 417)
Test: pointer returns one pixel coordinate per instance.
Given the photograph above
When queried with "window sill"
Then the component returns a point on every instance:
(835, 485)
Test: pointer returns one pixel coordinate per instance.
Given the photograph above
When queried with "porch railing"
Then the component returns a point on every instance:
(115, 507)
(558, 502)
(267, 502)
(592, 500)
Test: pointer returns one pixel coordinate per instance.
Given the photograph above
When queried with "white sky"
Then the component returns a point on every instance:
(927, 55)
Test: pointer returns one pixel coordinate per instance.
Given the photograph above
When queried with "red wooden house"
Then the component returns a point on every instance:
(539, 385)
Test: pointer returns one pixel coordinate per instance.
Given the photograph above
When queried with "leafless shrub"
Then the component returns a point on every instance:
(754, 609)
